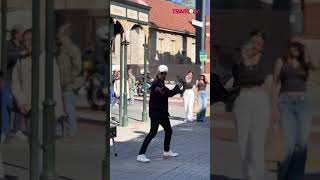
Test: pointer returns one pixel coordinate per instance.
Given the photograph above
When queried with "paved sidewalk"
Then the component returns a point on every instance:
(77, 160)
(191, 140)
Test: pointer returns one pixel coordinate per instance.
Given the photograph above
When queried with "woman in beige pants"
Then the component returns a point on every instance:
(252, 106)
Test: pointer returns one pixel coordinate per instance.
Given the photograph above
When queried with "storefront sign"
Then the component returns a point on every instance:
(143, 17)
(132, 14)
(118, 11)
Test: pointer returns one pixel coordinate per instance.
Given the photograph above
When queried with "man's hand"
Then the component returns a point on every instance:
(275, 115)
(24, 109)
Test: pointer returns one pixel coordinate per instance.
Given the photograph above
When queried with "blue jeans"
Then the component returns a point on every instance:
(296, 117)
(69, 99)
(131, 95)
(202, 101)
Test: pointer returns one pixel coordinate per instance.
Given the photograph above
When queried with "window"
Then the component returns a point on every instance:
(173, 47)
(173, 51)
(193, 52)
(161, 46)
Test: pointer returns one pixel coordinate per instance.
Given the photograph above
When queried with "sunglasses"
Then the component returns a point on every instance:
(163, 73)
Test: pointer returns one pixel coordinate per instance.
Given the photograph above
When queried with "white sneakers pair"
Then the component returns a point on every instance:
(143, 158)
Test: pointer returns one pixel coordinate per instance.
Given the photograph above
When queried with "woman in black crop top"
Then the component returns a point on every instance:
(290, 99)
(252, 106)
(201, 86)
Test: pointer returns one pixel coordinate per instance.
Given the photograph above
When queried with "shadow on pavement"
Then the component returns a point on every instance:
(313, 176)
(219, 177)
(141, 133)
(176, 118)
(10, 177)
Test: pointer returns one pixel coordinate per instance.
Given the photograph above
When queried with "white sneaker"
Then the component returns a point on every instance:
(21, 136)
(143, 158)
(170, 154)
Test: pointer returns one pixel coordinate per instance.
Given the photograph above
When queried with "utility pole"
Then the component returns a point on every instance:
(35, 144)
(4, 12)
(144, 112)
(106, 160)
(121, 83)
(125, 78)
(296, 17)
(49, 104)
(203, 32)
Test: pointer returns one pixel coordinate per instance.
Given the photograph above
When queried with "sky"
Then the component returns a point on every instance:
(191, 4)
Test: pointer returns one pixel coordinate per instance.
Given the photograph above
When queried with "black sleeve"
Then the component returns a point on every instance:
(174, 91)
(162, 90)
(13, 55)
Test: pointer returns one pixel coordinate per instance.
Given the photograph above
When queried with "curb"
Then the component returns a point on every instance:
(84, 120)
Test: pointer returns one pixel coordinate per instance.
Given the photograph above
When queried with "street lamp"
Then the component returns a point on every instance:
(34, 134)
(105, 161)
(49, 104)
(144, 112)
(121, 82)
(296, 17)
(125, 77)
(203, 33)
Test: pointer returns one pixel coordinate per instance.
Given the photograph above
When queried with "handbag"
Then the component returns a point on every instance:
(195, 106)
(274, 149)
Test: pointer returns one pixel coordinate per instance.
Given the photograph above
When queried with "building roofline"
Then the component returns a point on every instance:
(172, 30)
(133, 4)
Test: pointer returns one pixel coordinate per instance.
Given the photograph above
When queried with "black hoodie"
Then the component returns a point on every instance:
(158, 103)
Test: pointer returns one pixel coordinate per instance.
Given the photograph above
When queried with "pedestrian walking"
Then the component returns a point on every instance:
(16, 51)
(158, 113)
(252, 107)
(201, 86)
(188, 96)
(117, 86)
(291, 100)
(22, 78)
(69, 62)
(132, 86)
(6, 102)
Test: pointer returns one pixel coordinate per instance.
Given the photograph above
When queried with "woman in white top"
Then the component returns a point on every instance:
(188, 96)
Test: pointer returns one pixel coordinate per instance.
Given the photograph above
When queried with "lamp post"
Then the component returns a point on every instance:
(203, 32)
(121, 83)
(296, 17)
(125, 78)
(49, 104)
(106, 160)
(144, 112)
(34, 133)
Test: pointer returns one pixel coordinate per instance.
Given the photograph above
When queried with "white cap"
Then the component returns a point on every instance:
(163, 68)
(116, 67)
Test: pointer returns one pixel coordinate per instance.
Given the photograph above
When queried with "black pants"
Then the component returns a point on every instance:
(165, 123)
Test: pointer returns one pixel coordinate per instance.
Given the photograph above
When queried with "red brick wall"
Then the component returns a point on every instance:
(311, 18)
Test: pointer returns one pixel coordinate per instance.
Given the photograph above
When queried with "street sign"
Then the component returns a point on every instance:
(197, 23)
(203, 56)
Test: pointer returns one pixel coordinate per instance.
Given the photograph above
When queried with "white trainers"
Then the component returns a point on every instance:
(170, 154)
(21, 136)
(143, 158)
